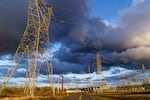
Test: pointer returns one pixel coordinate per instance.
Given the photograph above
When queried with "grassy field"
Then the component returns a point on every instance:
(96, 97)
(35, 98)
(41, 93)
(45, 93)
(122, 97)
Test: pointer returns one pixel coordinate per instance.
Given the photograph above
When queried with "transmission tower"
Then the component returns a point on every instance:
(136, 79)
(129, 80)
(98, 63)
(89, 79)
(99, 69)
(33, 46)
(144, 74)
(62, 84)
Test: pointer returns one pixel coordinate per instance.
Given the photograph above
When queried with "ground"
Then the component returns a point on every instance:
(45, 93)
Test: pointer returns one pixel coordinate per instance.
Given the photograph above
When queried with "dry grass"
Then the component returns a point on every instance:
(35, 98)
(17, 93)
(122, 97)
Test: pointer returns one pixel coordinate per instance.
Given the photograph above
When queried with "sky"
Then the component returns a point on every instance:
(108, 9)
(117, 29)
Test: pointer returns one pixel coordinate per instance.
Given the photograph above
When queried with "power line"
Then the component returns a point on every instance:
(68, 10)
(61, 21)
(114, 61)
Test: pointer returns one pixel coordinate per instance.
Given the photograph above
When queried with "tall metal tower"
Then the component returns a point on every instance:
(89, 78)
(99, 69)
(62, 83)
(98, 63)
(144, 74)
(129, 80)
(136, 79)
(34, 45)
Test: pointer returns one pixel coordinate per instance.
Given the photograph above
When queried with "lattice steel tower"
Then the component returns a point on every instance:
(34, 45)
(98, 63)
(136, 78)
(99, 68)
(146, 80)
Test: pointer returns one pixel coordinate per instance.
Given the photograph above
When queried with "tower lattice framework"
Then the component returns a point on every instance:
(33, 46)
(98, 63)
(99, 69)
(146, 80)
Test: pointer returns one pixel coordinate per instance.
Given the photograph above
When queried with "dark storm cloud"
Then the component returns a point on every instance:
(86, 38)
(68, 61)
(81, 36)
(13, 16)
(14, 19)
(65, 54)
(80, 32)
(65, 67)
(126, 40)
(71, 12)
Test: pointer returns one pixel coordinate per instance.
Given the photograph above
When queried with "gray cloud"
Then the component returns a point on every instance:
(135, 22)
